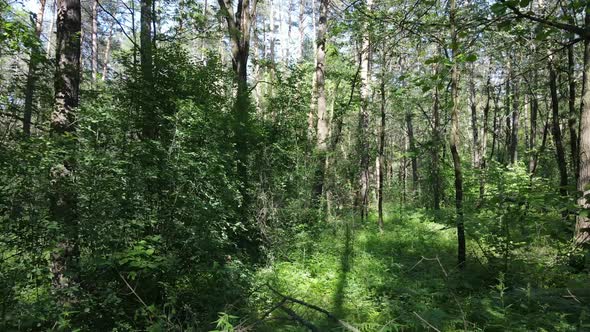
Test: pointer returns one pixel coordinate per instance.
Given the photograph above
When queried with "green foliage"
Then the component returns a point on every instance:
(383, 282)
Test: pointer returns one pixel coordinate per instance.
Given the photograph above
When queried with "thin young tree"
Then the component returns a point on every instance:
(455, 136)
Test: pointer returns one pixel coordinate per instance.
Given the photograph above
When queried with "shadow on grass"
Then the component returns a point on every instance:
(345, 264)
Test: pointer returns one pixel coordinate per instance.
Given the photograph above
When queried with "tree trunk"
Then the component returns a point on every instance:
(63, 198)
(94, 40)
(474, 128)
(507, 155)
(301, 29)
(436, 180)
(495, 125)
(381, 150)
(363, 129)
(556, 131)
(484, 143)
(572, 111)
(455, 139)
(515, 123)
(533, 131)
(287, 45)
(149, 123)
(582, 231)
(413, 154)
(50, 31)
(322, 121)
(107, 54)
(32, 74)
(239, 26)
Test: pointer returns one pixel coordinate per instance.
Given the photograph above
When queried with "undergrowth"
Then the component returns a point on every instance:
(405, 279)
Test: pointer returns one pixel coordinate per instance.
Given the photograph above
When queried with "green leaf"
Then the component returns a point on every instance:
(498, 9)
(524, 3)
(471, 57)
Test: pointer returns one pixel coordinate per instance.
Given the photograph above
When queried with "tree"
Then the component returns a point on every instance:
(63, 197)
(582, 231)
(322, 120)
(555, 129)
(149, 123)
(32, 74)
(239, 29)
(455, 138)
(94, 40)
(381, 148)
(363, 126)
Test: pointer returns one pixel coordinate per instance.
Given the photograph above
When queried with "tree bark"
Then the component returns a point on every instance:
(50, 31)
(474, 128)
(107, 54)
(533, 131)
(515, 123)
(63, 198)
(573, 116)
(32, 73)
(413, 154)
(455, 139)
(582, 231)
(484, 143)
(287, 45)
(94, 40)
(556, 131)
(381, 151)
(301, 29)
(363, 126)
(507, 155)
(322, 121)
(436, 180)
(495, 125)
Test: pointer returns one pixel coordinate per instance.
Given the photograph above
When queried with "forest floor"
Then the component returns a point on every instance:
(406, 279)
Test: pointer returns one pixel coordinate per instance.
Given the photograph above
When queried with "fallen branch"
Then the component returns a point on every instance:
(300, 319)
(330, 315)
(267, 313)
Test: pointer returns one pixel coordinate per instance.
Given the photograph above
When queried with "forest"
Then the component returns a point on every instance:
(294, 165)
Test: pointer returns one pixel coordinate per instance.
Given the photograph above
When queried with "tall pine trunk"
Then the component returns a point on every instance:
(63, 198)
(582, 231)
(94, 41)
(363, 125)
(322, 116)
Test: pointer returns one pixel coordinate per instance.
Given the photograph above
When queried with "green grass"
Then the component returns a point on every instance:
(399, 279)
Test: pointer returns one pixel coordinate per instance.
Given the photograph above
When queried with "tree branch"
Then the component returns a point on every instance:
(582, 32)
(132, 40)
